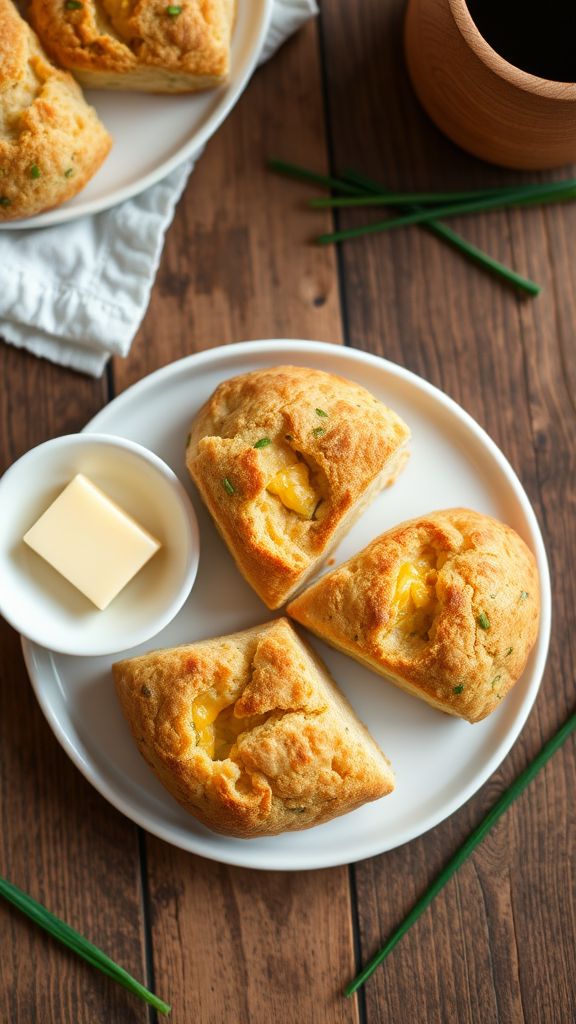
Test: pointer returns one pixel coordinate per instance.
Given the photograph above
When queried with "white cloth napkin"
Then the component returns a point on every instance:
(59, 295)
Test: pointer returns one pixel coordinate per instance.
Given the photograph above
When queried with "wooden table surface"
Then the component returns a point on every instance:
(230, 946)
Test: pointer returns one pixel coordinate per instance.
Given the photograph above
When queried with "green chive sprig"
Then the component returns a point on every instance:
(502, 200)
(424, 208)
(302, 174)
(384, 198)
(447, 234)
(69, 937)
(463, 202)
(476, 837)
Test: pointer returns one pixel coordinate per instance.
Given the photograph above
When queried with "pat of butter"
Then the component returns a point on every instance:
(91, 541)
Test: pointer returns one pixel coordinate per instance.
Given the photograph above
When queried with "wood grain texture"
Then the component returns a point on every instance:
(235, 266)
(236, 947)
(59, 840)
(494, 110)
(498, 943)
(248, 946)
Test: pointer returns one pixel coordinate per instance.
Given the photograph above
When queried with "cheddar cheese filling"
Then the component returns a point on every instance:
(217, 726)
(292, 485)
(414, 599)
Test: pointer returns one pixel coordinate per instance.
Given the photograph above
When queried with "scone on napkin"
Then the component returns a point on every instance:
(147, 46)
(51, 141)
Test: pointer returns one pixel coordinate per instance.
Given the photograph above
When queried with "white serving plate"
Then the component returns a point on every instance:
(153, 134)
(439, 761)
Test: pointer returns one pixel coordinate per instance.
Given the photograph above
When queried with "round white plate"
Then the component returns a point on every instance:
(439, 761)
(153, 134)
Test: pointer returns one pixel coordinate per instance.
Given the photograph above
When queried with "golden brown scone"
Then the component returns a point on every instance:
(286, 459)
(144, 45)
(51, 141)
(250, 733)
(446, 606)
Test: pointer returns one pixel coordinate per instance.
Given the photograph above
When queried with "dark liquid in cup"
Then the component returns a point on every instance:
(536, 36)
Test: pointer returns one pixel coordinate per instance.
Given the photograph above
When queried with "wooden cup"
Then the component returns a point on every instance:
(483, 103)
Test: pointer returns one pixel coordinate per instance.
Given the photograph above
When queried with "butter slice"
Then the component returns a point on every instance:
(91, 541)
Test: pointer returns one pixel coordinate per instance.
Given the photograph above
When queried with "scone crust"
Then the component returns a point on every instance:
(137, 43)
(304, 759)
(352, 444)
(51, 141)
(485, 621)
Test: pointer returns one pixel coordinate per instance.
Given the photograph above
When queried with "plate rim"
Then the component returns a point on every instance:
(232, 92)
(276, 860)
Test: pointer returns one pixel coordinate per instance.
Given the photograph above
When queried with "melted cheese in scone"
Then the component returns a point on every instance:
(218, 726)
(293, 487)
(250, 733)
(414, 598)
(445, 606)
(286, 459)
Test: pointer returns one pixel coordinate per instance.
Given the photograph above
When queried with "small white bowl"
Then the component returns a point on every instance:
(38, 602)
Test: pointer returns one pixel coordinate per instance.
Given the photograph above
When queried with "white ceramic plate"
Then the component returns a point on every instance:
(153, 134)
(439, 761)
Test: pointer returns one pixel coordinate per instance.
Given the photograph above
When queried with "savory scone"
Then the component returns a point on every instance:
(51, 141)
(143, 45)
(286, 459)
(250, 733)
(446, 606)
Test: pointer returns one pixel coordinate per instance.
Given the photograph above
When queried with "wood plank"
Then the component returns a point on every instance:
(250, 946)
(39, 401)
(232, 944)
(59, 840)
(236, 266)
(482, 952)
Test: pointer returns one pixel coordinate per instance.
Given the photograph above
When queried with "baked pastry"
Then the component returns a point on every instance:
(286, 459)
(144, 45)
(51, 141)
(446, 606)
(249, 732)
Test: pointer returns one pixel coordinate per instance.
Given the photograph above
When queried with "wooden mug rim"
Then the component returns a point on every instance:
(498, 65)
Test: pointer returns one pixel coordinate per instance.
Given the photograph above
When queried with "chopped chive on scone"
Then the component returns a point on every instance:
(149, 46)
(286, 459)
(250, 733)
(51, 141)
(446, 606)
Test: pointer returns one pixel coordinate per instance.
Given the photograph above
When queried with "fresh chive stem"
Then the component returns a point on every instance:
(447, 234)
(415, 216)
(410, 198)
(476, 837)
(540, 198)
(538, 193)
(76, 942)
(482, 258)
(302, 174)
(357, 185)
